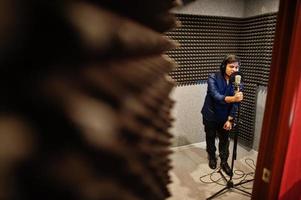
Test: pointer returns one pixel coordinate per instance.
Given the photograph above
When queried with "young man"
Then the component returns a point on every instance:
(219, 109)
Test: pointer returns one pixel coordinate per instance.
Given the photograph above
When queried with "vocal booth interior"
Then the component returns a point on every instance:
(205, 40)
(209, 31)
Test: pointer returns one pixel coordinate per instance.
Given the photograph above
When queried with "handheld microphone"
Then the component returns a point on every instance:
(236, 78)
(237, 82)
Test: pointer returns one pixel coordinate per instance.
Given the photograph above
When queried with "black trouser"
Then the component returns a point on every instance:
(212, 130)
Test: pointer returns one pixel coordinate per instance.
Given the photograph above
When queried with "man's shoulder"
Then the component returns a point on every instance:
(215, 75)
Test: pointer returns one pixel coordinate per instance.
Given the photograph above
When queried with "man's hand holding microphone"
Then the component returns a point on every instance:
(236, 98)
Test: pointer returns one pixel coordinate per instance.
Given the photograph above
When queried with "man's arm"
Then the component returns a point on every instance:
(238, 97)
(214, 92)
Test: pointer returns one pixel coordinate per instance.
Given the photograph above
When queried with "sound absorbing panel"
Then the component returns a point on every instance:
(255, 47)
(205, 40)
(248, 114)
(85, 107)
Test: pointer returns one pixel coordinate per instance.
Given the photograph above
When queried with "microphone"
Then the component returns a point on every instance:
(236, 79)
(237, 83)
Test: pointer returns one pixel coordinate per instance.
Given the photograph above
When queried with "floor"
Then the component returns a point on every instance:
(192, 179)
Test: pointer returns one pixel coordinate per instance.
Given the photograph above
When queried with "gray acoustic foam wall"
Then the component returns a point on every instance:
(206, 39)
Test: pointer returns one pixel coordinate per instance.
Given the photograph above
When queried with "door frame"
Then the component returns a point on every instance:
(284, 78)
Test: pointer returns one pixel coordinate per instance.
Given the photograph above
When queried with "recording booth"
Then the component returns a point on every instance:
(101, 100)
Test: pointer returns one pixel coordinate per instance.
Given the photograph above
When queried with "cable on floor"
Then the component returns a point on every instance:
(237, 175)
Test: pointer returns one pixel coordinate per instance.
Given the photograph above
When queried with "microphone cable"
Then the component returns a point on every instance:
(237, 175)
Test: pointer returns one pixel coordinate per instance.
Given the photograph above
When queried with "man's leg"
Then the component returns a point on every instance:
(223, 148)
(210, 130)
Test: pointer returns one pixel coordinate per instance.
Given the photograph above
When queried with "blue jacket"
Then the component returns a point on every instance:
(215, 108)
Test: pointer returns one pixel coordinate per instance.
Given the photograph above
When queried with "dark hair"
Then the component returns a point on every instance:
(231, 58)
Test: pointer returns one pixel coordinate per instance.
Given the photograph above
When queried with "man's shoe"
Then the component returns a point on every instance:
(212, 163)
(225, 167)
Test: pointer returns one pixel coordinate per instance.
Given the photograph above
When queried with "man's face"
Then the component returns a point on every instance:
(231, 68)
